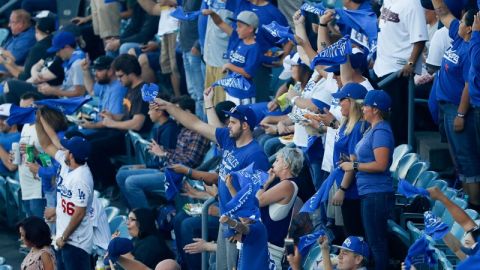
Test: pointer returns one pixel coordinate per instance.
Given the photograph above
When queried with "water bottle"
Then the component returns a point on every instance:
(99, 265)
(16, 153)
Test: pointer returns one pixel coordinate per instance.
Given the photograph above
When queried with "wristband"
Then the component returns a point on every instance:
(323, 24)
(189, 173)
(342, 188)
(355, 166)
(460, 115)
(208, 108)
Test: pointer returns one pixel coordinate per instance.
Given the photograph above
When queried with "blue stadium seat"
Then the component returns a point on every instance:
(123, 230)
(415, 170)
(403, 166)
(447, 217)
(111, 212)
(398, 153)
(425, 178)
(2, 260)
(6, 267)
(14, 202)
(116, 222)
(441, 184)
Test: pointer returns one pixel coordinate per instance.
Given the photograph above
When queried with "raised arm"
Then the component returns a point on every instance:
(443, 12)
(187, 119)
(43, 138)
(151, 7)
(218, 21)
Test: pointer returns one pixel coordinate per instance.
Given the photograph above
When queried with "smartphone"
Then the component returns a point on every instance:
(289, 246)
(344, 157)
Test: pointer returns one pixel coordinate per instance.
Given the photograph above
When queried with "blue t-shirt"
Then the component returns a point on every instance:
(234, 159)
(474, 72)
(21, 44)
(454, 69)
(6, 141)
(166, 134)
(380, 135)
(254, 253)
(345, 145)
(246, 57)
(111, 96)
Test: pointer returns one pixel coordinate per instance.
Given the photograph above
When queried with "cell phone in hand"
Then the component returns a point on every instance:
(344, 157)
(289, 246)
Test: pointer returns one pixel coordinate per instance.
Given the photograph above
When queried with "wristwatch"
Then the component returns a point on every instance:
(355, 166)
(460, 115)
(342, 188)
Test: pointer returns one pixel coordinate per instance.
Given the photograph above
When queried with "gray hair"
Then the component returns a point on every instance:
(293, 157)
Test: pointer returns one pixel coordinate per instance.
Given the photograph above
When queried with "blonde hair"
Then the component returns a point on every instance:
(354, 115)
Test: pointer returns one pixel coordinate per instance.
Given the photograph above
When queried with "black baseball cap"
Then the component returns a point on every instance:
(102, 62)
(46, 24)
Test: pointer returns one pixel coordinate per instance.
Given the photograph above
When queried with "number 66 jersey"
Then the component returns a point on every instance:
(74, 189)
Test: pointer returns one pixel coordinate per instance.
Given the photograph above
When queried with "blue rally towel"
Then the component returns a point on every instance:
(276, 30)
(471, 263)
(248, 175)
(149, 92)
(65, 105)
(312, 203)
(173, 183)
(420, 253)
(407, 189)
(181, 15)
(363, 21)
(334, 54)
(234, 80)
(434, 226)
(20, 115)
(307, 241)
(118, 246)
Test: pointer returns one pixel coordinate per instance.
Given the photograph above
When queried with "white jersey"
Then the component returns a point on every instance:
(31, 187)
(401, 23)
(101, 230)
(441, 41)
(167, 24)
(74, 189)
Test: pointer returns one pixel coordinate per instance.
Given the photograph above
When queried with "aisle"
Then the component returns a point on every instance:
(9, 247)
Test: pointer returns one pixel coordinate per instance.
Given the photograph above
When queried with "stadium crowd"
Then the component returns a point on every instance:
(269, 111)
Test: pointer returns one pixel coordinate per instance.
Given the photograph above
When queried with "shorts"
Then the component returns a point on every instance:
(105, 18)
(153, 58)
(168, 62)
(212, 75)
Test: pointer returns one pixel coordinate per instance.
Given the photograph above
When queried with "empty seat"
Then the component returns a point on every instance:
(416, 170)
(398, 153)
(404, 165)
(116, 222)
(111, 212)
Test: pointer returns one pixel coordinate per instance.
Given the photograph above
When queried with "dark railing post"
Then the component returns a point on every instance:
(411, 110)
(205, 230)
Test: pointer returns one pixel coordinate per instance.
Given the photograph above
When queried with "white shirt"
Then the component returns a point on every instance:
(167, 24)
(73, 76)
(401, 23)
(101, 230)
(31, 187)
(74, 189)
(440, 42)
(320, 90)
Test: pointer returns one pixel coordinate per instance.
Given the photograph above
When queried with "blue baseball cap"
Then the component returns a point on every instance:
(78, 146)
(118, 246)
(351, 90)
(379, 99)
(357, 245)
(243, 113)
(60, 40)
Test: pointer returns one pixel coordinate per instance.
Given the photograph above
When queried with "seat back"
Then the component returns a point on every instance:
(116, 222)
(6, 267)
(111, 212)
(447, 217)
(3, 199)
(416, 170)
(4, 33)
(398, 153)
(15, 211)
(425, 178)
(441, 184)
(404, 165)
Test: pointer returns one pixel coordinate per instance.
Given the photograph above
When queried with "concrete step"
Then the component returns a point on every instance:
(431, 149)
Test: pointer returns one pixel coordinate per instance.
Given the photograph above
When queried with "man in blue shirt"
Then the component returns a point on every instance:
(8, 135)
(107, 88)
(238, 150)
(22, 39)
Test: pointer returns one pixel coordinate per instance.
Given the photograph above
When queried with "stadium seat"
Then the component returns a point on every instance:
(6, 267)
(443, 263)
(3, 199)
(403, 166)
(457, 230)
(398, 153)
(123, 230)
(415, 171)
(425, 178)
(116, 222)
(3, 35)
(447, 217)
(14, 202)
(441, 184)
(2, 260)
(111, 212)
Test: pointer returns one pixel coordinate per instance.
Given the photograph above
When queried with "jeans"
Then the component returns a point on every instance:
(195, 80)
(186, 228)
(376, 209)
(351, 213)
(34, 207)
(133, 184)
(476, 121)
(73, 258)
(463, 144)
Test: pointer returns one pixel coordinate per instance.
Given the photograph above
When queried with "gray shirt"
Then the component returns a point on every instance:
(216, 41)
(73, 76)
